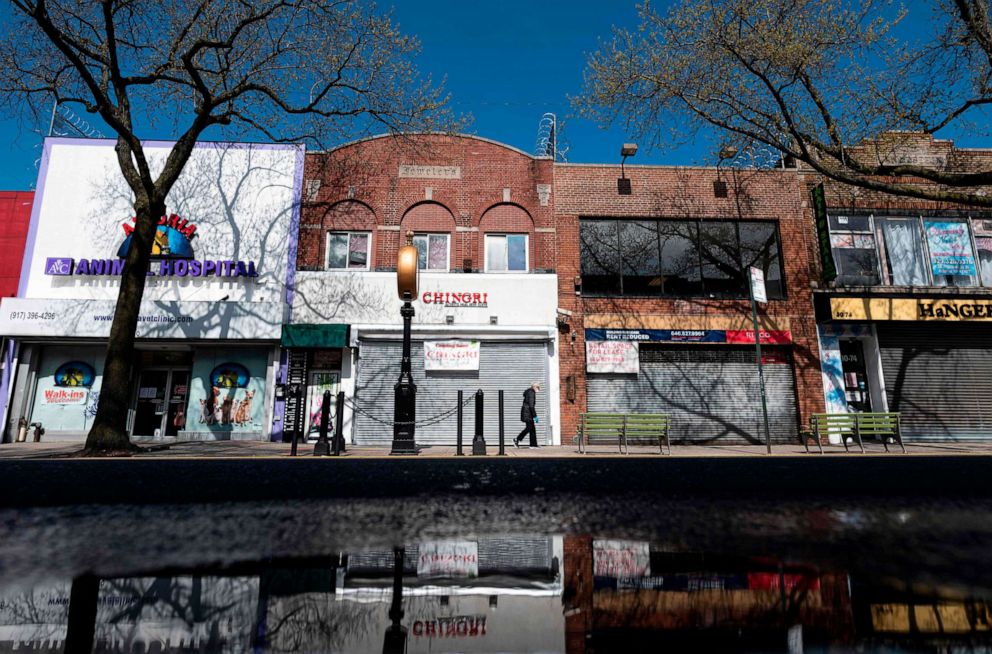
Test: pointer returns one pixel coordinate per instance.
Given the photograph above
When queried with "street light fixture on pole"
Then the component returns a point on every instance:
(405, 406)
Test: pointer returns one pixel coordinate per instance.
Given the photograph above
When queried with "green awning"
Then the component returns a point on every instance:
(314, 336)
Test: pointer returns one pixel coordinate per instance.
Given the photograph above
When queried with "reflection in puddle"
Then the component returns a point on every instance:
(571, 592)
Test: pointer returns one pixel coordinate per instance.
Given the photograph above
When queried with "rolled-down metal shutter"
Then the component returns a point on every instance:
(510, 366)
(939, 376)
(712, 393)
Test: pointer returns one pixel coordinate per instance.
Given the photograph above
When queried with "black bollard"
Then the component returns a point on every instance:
(502, 442)
(339, 425)
(478, 442)
(295, 392)
(323, 446)
(458, 441)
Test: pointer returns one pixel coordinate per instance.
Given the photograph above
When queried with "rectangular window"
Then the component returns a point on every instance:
(983, 243)
(506, 253)
(432, 251)
(952, 261)
(677, 258)
(901, 252)
(759, 248)
(853, 245)
(348, 250)
(720, 253)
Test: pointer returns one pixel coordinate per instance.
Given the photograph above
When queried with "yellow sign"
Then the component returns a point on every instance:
(863, 308)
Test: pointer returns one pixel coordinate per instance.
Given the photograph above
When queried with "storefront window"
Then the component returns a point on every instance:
(952, 261)
(348, 250)
(680, 258)
(983, 243)
(600, 257)
(720, 254)
(759, 248)
(641, 258)
(432, 251)
(677, 258)
(902, 255)
(506, 253)
(853, 245)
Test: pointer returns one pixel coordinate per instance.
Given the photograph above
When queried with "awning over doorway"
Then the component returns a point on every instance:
(314, 336)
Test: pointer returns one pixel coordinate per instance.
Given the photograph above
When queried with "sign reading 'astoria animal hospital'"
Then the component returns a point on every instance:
(173, 247)
(925, 309)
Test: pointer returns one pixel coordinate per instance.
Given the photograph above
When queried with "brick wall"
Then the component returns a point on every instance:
(460, 185)
(674, 193)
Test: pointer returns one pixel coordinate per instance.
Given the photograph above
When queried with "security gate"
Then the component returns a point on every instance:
(510, 366)
(712, 393)
(939, 377)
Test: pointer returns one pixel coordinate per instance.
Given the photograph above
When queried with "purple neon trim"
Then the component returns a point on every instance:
(294, 231)
(8, 357)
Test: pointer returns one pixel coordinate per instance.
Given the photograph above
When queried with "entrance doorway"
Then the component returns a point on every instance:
(852, 356)
(160, 409)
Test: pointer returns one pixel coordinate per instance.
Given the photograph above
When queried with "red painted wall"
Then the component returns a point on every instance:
(15, 216)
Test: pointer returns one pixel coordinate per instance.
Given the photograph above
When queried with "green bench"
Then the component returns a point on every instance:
(624, 429)
(856, 425)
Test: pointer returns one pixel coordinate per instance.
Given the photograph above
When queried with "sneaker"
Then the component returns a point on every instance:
(515, 443)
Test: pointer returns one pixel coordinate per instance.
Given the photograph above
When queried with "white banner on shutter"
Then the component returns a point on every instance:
(621, 558)
(448, 558)
(451, 355)
(612, 356)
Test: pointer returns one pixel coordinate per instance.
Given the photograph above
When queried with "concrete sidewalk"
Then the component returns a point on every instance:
(260, 450)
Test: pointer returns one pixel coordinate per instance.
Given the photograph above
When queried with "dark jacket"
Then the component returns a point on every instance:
(529, 410)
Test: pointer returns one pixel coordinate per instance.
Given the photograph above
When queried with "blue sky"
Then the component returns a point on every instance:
(506, 63)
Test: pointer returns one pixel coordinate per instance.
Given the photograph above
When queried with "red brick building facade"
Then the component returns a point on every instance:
(670, 193)
(903, 290)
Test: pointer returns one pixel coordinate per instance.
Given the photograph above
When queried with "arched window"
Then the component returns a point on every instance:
(432, 226)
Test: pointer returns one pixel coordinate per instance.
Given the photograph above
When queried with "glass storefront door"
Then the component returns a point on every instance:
(852, 358)
(160, 408)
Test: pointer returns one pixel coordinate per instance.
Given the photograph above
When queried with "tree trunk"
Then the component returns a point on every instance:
(109, 430)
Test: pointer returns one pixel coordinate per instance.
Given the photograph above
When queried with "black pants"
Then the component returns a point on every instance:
(529, 429)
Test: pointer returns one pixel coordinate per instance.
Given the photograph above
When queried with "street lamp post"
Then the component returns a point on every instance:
(405, 406)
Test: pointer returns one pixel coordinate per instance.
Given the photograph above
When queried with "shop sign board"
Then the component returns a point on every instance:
(225, 236)
(612, 356)
(773, 336)
(621, 558)
(451, 355)
(950, 247)
(910, 309)
(448, 558)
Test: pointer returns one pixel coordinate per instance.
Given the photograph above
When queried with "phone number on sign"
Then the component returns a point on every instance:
(32, 315)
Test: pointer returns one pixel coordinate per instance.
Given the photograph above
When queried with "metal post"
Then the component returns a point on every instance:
(761, 372)
(478, 442)
(405, 406)
(502, 443)
(323, 446)
(395, 640)
(339, 425)
(458, 441)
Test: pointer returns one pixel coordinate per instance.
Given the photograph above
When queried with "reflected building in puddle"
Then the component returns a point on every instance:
(574, 594)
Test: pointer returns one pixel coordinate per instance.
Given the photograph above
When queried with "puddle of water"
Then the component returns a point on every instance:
(543, 573)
